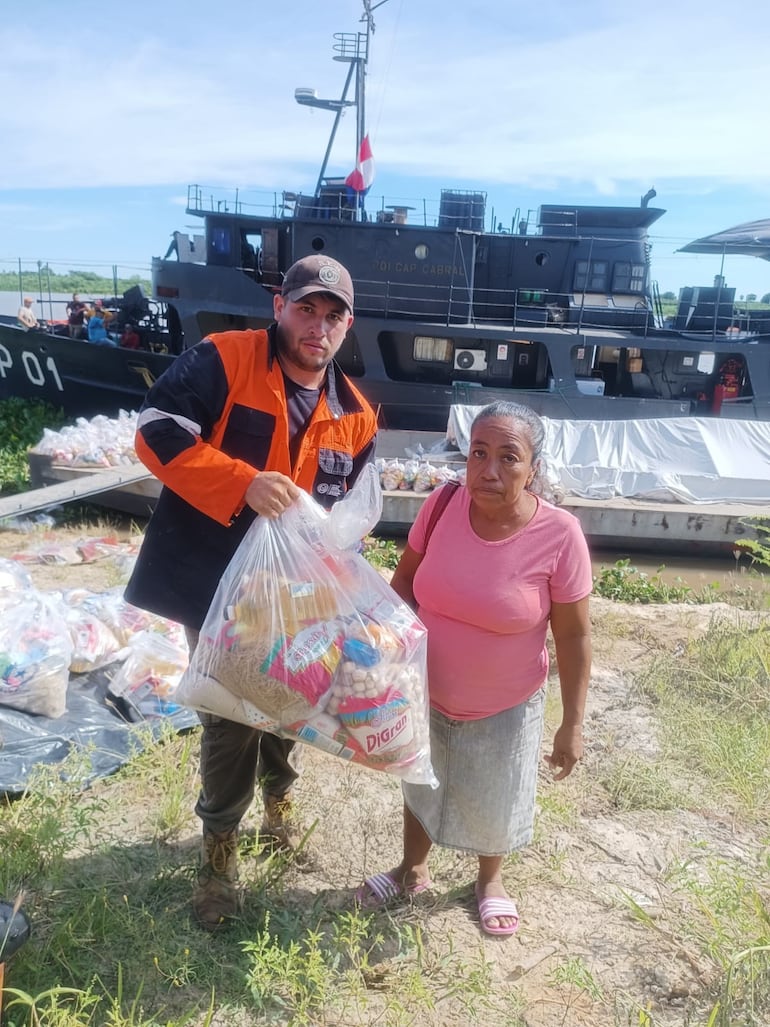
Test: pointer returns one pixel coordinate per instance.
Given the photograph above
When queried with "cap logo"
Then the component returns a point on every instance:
(328, 274)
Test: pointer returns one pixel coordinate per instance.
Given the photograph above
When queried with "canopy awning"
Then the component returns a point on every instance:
(751, 239)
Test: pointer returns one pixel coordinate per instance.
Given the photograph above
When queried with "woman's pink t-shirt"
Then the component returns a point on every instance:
(486, 605)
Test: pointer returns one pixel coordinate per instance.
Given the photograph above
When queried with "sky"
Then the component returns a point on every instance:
(109, 112)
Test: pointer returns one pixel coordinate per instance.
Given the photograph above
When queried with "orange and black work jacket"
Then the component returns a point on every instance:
(210, 422)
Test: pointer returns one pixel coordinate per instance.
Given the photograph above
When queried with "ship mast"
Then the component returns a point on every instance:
(351, 48)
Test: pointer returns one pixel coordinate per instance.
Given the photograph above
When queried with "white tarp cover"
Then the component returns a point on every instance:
(678, 459)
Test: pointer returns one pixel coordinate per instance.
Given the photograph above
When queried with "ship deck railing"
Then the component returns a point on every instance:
(456, 209)
(538, 309)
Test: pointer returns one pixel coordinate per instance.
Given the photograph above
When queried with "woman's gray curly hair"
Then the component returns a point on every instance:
(535, 431)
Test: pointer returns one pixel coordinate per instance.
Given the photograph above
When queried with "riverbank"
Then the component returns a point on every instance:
(635, 894)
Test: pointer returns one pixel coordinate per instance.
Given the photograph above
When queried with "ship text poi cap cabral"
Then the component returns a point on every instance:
(318, 274)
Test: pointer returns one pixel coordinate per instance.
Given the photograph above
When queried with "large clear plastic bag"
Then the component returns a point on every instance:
(306, 640)
(148, 678)
(93, 644)
(35, 655)
(14, 582)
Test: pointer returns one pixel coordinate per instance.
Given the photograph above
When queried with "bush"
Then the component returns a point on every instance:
(21, 426)
(627, 584)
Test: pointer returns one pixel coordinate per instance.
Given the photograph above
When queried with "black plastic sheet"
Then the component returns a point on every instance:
(108, 729)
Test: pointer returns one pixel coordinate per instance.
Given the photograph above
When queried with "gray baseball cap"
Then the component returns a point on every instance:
(318, 273)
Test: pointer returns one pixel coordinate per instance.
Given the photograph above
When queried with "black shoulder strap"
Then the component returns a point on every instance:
(444, 497)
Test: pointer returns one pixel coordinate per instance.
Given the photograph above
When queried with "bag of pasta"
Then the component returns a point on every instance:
(306, 640)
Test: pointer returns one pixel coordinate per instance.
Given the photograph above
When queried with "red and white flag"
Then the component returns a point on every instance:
(362, 177)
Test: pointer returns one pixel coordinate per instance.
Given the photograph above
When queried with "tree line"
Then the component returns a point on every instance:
(87, 282)
(750, 297)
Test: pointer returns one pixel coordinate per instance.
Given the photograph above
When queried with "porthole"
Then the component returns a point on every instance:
(421, 251)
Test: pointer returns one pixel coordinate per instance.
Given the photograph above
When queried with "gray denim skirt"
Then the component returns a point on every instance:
(487, 771)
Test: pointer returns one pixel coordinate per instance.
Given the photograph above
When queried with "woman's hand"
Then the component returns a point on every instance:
(567, 750)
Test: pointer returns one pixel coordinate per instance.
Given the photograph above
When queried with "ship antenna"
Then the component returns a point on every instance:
(351, 48)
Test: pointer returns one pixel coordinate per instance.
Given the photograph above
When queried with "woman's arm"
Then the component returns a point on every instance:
(571, 629)
(402, 581)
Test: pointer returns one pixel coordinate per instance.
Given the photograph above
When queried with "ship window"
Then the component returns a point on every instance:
(421, 251)
(220, 241)
(591, 275)
(628, 277)
(541, 259)
(318, 243)
(251, 247)
(428, 348)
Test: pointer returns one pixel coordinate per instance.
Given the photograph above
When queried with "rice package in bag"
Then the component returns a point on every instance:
(305, 639)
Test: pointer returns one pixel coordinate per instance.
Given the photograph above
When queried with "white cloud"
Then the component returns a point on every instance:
(529, 103)
(669, 91)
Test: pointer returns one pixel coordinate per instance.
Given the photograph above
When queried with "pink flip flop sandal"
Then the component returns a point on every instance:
(495, 908)
(382, 889)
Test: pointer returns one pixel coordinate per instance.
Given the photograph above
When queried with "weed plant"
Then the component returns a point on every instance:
(381, 552)
(627, 584)
(757, 549)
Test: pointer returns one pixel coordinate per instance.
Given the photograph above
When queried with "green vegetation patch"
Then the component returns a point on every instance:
(381, 552)
(624, 583)
(713, 702)
(86, 282)
(21, 426)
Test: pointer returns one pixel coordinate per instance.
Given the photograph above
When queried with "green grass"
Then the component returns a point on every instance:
(105, 874)
(712, 710)
(634, 783)
(113, 943)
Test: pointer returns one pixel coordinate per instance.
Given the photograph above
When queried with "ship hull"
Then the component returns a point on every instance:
(83, 380)
(72, 375)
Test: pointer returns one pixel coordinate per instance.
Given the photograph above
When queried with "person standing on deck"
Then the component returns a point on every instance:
(76, 316)
(25, 317)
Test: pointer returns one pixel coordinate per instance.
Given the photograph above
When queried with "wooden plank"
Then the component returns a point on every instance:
(88, 484)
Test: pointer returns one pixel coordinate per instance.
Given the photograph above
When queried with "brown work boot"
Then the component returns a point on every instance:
(279, 824)
(215, 896)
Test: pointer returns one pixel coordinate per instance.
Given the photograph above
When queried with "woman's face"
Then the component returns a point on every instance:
(499, 463)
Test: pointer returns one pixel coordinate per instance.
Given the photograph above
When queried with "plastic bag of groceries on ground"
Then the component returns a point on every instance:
(35, 655)
(148, 678)
(305, 639)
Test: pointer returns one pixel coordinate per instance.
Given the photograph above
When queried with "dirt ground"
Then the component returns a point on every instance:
(572, 884)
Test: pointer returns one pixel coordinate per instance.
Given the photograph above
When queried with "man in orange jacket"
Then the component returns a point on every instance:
(234, 429)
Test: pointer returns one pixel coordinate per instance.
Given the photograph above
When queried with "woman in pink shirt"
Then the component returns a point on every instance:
(500, 566)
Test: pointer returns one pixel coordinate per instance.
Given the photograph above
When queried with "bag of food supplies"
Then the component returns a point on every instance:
(35, 655)
(306, 640)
